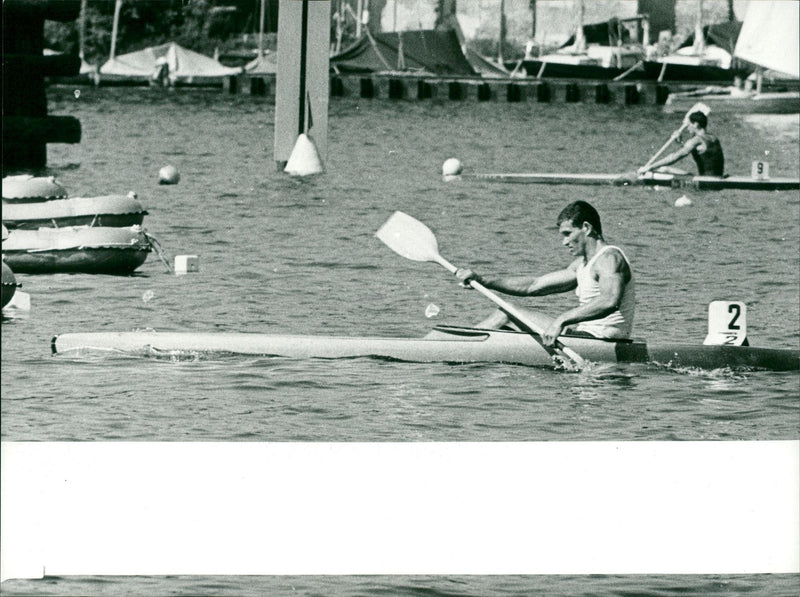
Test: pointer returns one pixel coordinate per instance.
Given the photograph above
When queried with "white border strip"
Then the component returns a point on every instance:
(400, 508)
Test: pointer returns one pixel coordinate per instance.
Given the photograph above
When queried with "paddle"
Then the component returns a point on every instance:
(698, 107)
(413, 240)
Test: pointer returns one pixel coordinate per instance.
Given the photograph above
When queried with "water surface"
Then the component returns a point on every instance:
(284, 255)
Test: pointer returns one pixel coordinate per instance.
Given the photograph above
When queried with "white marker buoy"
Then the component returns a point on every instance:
(451, 169)
(186, 263)
(19, 303)
(304, 159)
(683, 201)
(168, 175)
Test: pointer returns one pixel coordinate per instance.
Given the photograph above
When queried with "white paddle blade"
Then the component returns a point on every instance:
(409, 237)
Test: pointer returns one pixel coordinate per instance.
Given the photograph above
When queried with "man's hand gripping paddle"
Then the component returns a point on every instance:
(413, 240)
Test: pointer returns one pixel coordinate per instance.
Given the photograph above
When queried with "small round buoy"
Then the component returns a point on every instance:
(451, 168)
(168, 175)
(683, 201)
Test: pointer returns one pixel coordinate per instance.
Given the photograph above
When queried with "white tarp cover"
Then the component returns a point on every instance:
(770, 36)
(183, 64)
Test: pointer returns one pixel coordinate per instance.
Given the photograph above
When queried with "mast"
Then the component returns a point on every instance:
(699, 41)
(339, 17)
(502, 38)
(82, 31)
(261, 29)
(580, 40)
(114, 29)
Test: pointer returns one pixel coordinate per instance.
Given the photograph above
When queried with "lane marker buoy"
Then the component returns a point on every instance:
(186, 263)
(168, 175)
(304, 159)
(451, 169)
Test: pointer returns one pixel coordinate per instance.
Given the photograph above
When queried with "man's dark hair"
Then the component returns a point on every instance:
(699, 119)
(579, 212)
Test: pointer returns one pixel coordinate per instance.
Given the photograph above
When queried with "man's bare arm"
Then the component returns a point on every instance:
(559, 281)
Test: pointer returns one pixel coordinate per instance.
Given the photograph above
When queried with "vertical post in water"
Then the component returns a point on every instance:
(302, 81)
(301, 116)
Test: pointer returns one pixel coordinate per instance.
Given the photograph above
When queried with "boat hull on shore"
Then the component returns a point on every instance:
(449, 344)
(78, 249)
(647, 70)
(25, 187)
(108, 210)
(700, 183)
(732, 100)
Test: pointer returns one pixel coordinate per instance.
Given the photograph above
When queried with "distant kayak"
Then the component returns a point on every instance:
(651, 179)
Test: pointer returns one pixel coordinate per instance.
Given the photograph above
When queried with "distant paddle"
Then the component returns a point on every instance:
(413, 240)
(698, 107)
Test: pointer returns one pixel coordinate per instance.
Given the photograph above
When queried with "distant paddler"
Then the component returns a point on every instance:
(704, 147)
(600, 274)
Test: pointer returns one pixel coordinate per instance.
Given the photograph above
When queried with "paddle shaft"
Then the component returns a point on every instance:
(672, 138)
(513, 312)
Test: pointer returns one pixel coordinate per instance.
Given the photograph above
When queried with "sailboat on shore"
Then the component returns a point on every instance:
(770, 40)
(704, 56)
(601, 51)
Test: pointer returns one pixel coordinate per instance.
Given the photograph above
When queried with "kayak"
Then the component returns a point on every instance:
(450, 344)
(657, 179)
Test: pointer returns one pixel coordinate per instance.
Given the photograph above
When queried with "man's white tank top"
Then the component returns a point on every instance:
(619, 323)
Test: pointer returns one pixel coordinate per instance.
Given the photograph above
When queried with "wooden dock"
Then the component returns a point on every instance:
(511, 90)
(27, 129)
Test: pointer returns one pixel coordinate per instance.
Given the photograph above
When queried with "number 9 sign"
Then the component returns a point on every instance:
(760, 170)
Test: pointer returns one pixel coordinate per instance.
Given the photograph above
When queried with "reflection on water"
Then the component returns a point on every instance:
(604, 380)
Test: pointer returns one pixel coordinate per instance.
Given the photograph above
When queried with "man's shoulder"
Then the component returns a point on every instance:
(613, 257)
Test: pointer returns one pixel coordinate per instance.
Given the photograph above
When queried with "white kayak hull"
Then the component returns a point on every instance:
(444, 344)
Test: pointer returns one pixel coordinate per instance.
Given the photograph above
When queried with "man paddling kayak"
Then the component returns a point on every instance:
(600, 275)
(704, 147)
